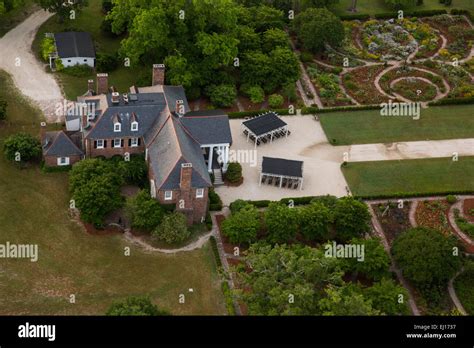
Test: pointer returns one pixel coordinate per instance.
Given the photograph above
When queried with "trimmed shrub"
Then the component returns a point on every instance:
(173, 228)
(215, 202)
(256, 94)
(234, 172)
(135, 306)
(275, 100)
(453, 101)
(25, 145)
(243, 226)
(223, 95)
(144, 211)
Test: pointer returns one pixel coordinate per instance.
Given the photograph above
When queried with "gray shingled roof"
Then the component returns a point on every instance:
(174, 93)
(60, 145)
(74, 44)
(208, 127)
(169, 150)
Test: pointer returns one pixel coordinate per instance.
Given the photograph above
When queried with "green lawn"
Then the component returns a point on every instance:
(367, 127)
(409, 177)
(377, 6)
(16, 16)
(34, 210)
(89, 20)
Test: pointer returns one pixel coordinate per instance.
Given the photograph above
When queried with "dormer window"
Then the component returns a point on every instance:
(117, 127)
(134, 126)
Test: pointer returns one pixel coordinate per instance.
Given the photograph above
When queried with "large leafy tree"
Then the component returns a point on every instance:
(144, 211)
(388, 297)
(135, 306)
(61, 7)
(376, 262)
(314, 221)
(95, 187)
(243, 225)
(346, 300)
(25, 145)
(287, 280)
(317, 27)
(426, 256)
(173, 228)
(352, 218)
(281, 222)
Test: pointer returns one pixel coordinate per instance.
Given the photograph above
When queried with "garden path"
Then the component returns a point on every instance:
(452, 294)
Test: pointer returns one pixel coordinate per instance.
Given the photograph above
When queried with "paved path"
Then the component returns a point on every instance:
(410, 150)
(28, 74)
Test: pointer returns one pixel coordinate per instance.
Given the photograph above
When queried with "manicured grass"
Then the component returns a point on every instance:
(464, 286)
(410, 177)
(378, 6)
(89, 20)
(11, 19)
(34, 210)
(367, 127)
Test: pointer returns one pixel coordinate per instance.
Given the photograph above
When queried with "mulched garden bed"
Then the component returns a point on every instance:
(468, 209)
(359, 83)
(394, 221)
(434, 214)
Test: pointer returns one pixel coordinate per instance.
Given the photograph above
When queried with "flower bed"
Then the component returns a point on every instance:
(458, 33)
(409, 72)
(394, 220)
(359, 83)
(415, 90)
(327, 86)
(468, 209)
(434, 214)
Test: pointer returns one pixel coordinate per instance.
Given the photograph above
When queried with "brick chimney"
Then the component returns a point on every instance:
(179, 107)
(186, 176)
(90, 85)
(158, 74)
(102, 83)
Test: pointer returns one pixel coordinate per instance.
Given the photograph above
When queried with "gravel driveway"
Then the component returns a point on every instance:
(28, 74)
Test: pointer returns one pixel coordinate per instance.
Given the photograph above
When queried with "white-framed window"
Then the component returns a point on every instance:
(134, 126)
(199, 193)
(117, 142)
(100, 143)
(168, 195)
(63, 161)
(134, 142)
(117, 127)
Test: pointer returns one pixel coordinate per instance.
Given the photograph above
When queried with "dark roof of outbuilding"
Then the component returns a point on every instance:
(60, 145)
(264, 124)
(284, 167)
(208, 127)
(74, 44)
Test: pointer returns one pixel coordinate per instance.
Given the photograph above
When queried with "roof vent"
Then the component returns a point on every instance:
(125, 98)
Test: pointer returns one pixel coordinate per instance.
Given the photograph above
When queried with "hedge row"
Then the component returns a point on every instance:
(215, 202)
(414, 194)
(419, 13)
(462, 12)
(215, 251)
(453, 101)
(352, 17)
(315, 110)
(296, 201)
(242, 114)
(229, 298)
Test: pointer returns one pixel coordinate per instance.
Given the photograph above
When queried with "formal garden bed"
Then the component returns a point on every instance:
(409, 71)
(414, 89)
(458, 33)
(359, 83)
(468, 209)
(394, 220)
(434, 214)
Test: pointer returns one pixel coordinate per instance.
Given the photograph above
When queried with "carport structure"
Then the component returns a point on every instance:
(282, 172)
(265, 128)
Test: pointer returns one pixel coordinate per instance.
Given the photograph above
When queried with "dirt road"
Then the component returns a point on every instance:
(28, 74)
